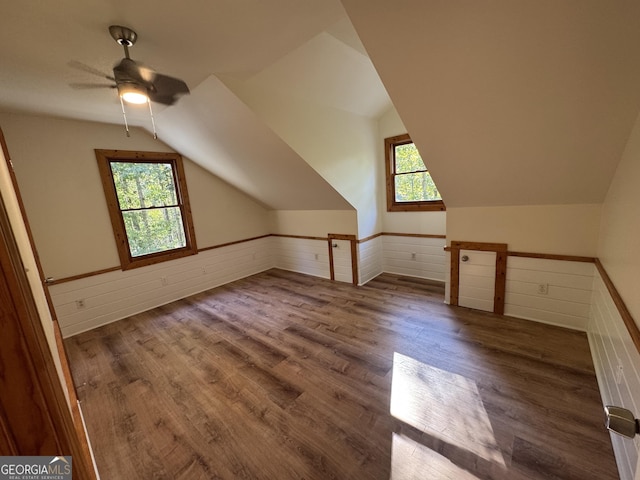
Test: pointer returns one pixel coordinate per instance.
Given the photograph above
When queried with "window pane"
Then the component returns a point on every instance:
(140, 185)
(408, 159)
(151, 231)
(415, 187)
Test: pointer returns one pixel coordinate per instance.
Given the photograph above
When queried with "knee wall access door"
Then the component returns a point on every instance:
(477, 281)
(478, 275)
(343, 258)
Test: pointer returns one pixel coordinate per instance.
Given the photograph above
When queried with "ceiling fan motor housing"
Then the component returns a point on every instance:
(123, 35)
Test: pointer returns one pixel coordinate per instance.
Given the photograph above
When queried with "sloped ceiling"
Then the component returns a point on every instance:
(227, 138)
(328, 72)
(190, 39)
(510, 102)
(198, 41)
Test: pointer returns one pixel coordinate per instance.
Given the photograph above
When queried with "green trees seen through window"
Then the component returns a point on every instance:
(149, 204)
(413, 183)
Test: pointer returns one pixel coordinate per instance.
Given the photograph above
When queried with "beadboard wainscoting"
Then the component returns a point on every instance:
(302, 255)
(96, 300)
(557, 292)
(616, 361)
(89, 302)
(369, 259)
(414, 256)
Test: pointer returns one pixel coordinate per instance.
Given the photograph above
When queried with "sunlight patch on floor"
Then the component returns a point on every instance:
(411, 460)
(443, 405)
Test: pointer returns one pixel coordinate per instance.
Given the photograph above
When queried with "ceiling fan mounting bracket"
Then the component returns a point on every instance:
(123, 35)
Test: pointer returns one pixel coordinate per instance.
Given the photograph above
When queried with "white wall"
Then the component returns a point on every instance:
(551, 229)
(620, 228)
(370, 259)
(313, 223)
(58, 177)
(341, 146)
(618, 252)
(414, 256)
(10, 201)
(617, 364)
(221, 213)
(301, 255)
(567, 302)
(430, 223)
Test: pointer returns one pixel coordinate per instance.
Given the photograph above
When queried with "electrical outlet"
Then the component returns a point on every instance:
(316, 256)
(164, 281)
(543, 289)
(204, 270)
(413, 255)
(80, 303)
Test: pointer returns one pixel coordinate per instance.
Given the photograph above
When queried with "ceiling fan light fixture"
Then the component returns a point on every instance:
(132, 93)
(136, 83)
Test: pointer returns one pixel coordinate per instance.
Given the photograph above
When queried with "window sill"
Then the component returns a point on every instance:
(435, 206)
(152, 259)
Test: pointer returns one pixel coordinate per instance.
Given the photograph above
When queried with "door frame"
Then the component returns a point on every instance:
(500, 250)
(36, 419)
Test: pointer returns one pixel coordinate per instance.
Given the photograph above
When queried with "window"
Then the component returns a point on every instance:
(409, 184)
(148, 204)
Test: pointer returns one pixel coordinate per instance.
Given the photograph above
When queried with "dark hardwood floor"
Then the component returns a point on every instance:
(285, 376)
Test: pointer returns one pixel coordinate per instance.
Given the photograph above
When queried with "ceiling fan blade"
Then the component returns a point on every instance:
(131, 70)
(167, 90)
(86, 68)
(89, 86)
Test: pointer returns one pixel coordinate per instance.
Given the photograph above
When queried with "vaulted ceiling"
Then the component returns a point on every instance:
(309, 48)
(511, 103)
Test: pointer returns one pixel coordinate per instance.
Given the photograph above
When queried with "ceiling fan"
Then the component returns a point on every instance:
(136, 83)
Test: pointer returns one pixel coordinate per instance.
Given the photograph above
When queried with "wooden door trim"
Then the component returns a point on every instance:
(454, 282)
(353, 241)
(36, 397)
(500, 250)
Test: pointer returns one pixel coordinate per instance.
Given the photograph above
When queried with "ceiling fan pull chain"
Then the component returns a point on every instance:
(153, 122)
(126, 125)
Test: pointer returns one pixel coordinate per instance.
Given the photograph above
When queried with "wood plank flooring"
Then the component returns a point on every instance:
(285, 376)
